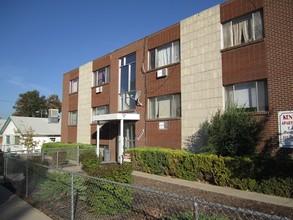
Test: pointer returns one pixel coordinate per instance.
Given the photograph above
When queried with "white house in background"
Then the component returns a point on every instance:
(2, 122)
(45, 130)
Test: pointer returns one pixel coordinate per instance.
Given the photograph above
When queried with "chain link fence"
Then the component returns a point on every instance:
(67, 195)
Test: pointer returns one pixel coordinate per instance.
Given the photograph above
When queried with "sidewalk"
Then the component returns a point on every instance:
(14, 208)
(259, 197)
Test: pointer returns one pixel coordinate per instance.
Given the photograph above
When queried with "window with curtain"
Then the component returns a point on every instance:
(164, 55)
(73, 87)
(167, 106)
(101, 76)
(72, 120)
(242, 30)
(251, 95)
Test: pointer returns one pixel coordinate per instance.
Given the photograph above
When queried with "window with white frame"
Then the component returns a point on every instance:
(243, 30)
(101, 110)
(250, 95)
(101, 76)
(166, 106)
(127, 82)
(164, 55)
(72, 120)
(73, 87)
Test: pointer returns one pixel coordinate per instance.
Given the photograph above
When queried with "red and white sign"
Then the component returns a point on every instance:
(286, 129)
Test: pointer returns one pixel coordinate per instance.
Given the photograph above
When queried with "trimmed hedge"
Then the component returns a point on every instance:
(265, 175)
(61, 145)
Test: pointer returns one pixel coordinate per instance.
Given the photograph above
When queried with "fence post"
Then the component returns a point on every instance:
(57, 158)
(195, 211)
(26, 180)
(77, 155)
(72, 198)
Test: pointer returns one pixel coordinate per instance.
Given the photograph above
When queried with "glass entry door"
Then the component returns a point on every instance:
(129, 135)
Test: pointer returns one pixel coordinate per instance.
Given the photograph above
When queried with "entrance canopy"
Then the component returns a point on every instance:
(115, 117)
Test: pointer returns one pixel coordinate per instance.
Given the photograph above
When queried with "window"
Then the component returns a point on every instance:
(242, 30)
(101, 76)
(72, 118)
(8, 139)
(127, 81)
(167, 106)
(164, 55)
(251, 95)
(101, 110)
(17, 140)
(73, 87)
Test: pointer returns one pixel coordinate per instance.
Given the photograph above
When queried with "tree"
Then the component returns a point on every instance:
(53, 102)
(31, 104)
(27, 139)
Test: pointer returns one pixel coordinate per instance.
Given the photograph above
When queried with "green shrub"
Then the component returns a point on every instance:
(109, 198)
(277, 186)
(234, 132)
(89, 160)
(57, 186)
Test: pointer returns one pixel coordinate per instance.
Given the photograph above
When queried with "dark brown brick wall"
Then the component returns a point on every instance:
(278, 15)
(244, 63)
(102, 62)
(103, 98)
(235, 8)
(164, 36)
(170, 138)
(270, 58)
(69, 103)
(149, 86)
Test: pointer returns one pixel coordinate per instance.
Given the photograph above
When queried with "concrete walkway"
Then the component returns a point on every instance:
(259, 197)
(14, 208)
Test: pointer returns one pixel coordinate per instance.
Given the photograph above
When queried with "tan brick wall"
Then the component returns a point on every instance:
(201, 74)
(84, 103)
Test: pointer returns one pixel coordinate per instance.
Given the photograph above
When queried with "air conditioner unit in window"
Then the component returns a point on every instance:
(99, 89)
(162, 72)
(53, 113)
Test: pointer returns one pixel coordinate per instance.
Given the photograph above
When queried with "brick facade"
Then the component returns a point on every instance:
(69, 103)
(204, 70)
(278, 15)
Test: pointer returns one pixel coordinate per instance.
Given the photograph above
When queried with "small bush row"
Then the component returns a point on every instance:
(265, 175)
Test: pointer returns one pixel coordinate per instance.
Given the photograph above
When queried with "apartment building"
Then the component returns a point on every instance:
(158, 90)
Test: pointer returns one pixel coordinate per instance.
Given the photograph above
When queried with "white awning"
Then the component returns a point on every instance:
(117, 116)
(121, 117)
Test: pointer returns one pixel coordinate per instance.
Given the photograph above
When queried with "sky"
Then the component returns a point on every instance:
(41, 40)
